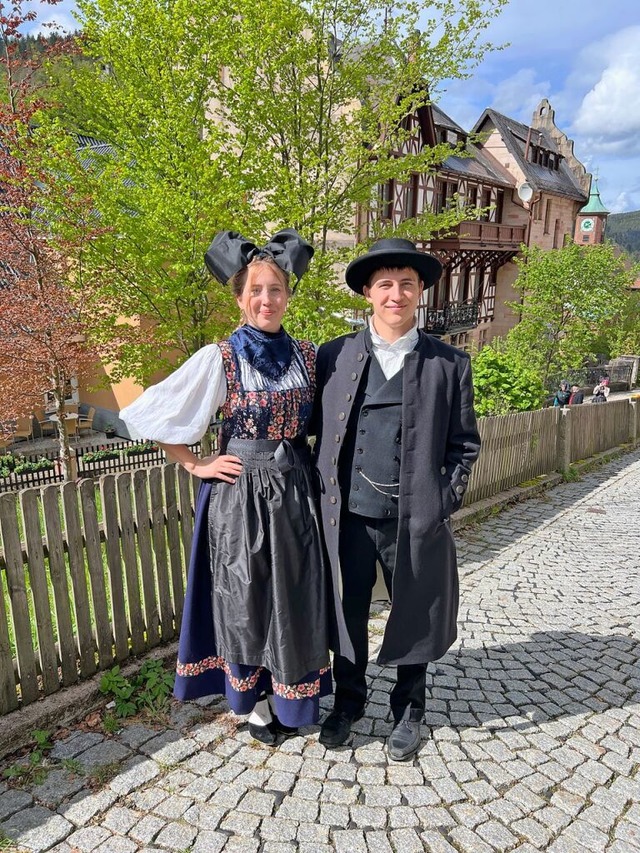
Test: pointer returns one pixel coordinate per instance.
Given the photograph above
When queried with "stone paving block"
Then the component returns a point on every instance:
(205, 816)
(308, 789)
(334, 816)
(13, 801)
(377, 842)
(146, 829)
(340, 793)
(173, 807)
(538, 835)
(117, 844)
(89, 838)
(313, 833)
(280, 782)
(436, 843)
(120, 819)
(295, 808)
(36, 828)
(279, 847)
(349, 841)
(419, 795)
(382, 795)
(59, 785)
(368, 817)
(402, 817)
(75, 744)
(135, 735)
(627, 832)
(497, 835)
(176, 836)
(468, 814)
(133, 774)
(169, 748)
(343, 772)
(237, 844)
(435, 818)
(84, 807)
(467, 841)
(277, 829)
(107, 752)
(257, 803)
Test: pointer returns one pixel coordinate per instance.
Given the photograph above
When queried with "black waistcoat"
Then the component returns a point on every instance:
(371, 454)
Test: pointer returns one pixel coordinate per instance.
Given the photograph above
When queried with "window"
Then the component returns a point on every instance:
(385, 206)
(472, 196)
(499, 205)
(485, 201)
(547, 216)
(411, 198)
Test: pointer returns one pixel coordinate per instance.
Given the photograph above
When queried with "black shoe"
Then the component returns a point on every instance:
(337, 727)
(265, 734)
(287, 731)
(404, 740)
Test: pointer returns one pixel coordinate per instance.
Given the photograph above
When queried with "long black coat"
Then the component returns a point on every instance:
(440, 442)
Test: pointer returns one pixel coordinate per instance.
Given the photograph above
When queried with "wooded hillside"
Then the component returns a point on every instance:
(624, 229)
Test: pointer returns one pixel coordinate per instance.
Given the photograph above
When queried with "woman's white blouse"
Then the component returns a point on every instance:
(179, 409)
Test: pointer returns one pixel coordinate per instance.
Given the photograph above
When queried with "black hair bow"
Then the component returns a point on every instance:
(230, 252)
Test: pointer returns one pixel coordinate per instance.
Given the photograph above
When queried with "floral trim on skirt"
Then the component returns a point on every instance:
(296, 704)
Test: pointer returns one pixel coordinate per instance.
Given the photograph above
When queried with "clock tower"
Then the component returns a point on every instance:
(592, 219)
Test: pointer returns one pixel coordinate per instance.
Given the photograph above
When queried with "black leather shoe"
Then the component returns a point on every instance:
(404, 740)
(287, 731)
(337, 727)
(265, 734)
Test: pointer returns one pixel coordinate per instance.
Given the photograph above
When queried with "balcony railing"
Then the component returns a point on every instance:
(453, 317)
(488, 234)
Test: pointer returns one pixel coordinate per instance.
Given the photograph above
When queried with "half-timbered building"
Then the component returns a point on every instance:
(470, 303)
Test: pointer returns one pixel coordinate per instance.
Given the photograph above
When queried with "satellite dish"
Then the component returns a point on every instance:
(525, 192)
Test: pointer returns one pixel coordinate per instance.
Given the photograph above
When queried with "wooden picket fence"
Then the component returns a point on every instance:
(515, 448)
(94, 571)
(90, 573)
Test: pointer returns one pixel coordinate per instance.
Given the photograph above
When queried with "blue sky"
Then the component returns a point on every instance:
(583, 55)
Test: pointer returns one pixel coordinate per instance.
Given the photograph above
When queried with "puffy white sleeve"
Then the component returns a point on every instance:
(179, 409)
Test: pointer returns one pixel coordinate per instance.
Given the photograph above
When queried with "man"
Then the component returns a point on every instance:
(395, 441)
(577, 396)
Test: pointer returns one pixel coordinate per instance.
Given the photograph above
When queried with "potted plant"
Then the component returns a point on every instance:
(110, 430)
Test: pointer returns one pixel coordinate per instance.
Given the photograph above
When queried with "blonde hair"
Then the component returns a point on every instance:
(239, 279)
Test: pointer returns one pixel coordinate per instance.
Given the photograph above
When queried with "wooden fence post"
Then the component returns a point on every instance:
(633, 422)
(564, 440)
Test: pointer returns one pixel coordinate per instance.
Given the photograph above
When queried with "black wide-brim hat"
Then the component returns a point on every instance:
(392, 252)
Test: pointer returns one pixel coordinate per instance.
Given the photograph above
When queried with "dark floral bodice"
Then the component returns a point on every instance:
(258, 407)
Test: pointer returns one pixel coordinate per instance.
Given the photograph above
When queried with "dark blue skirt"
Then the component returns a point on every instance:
(201, 669)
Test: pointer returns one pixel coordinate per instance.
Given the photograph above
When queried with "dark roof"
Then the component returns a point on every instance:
(477, 165)
(441, 119)
(514, 134)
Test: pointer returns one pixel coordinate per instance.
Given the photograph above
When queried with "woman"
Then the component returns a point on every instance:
(259, 603)
(562, 395)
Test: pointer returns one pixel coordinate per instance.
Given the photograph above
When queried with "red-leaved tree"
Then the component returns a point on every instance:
(42, 329)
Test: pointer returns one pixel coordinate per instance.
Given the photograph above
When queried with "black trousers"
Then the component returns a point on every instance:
(363, 541)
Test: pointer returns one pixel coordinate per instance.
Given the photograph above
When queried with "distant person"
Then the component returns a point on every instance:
(600, 393)
(562, 395)
(577, 396)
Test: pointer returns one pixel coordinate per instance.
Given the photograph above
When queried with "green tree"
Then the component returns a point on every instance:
(250, 117)
(502, 384)
(567, 295)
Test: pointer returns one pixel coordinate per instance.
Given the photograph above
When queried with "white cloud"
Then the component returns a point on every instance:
(518, 96)
(609, 115)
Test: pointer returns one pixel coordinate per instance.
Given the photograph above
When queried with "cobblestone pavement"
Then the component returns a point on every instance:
(531, 740)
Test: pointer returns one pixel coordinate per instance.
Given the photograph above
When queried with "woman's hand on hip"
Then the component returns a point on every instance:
(226, 468)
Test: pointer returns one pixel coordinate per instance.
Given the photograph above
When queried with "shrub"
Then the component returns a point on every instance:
(7, 464)
(27, 467)
(138, 449)
(503, 385)
(100, 455)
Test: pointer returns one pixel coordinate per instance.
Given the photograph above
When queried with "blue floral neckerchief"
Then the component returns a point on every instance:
(268, 352)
